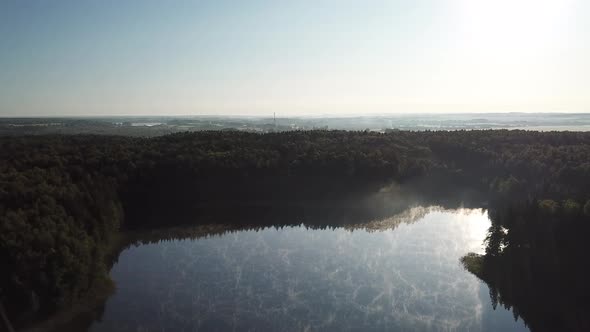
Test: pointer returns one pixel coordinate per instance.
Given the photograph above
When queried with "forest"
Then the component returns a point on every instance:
(536, 262)
(65, 198)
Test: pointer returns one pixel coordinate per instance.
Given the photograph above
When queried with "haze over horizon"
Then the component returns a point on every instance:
(104, 58)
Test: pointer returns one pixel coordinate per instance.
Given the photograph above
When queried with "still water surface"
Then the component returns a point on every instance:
(399, 277)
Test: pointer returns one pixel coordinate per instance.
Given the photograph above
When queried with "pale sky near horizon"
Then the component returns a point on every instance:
(144, 57)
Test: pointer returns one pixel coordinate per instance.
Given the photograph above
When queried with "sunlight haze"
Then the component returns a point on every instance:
(293, 57)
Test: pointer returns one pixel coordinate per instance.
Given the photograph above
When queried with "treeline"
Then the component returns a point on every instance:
(62, 198)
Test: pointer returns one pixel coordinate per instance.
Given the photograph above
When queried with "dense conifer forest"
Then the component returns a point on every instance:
(64, 198)
(536, 262)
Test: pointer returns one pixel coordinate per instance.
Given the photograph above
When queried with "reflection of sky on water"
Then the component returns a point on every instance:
(295, 279)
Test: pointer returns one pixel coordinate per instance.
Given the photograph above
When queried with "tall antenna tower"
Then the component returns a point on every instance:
(274, 115)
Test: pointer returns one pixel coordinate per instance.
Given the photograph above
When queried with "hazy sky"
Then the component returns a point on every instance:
(293, 57)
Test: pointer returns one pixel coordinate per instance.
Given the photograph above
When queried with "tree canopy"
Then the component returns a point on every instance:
(64, 197)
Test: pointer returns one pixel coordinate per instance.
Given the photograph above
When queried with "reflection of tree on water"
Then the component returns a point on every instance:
(362, 221)
(407, 216)
(385, 209)
(536, 264)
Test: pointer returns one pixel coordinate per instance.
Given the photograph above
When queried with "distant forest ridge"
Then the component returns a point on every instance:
(161, 125)
(64, 198)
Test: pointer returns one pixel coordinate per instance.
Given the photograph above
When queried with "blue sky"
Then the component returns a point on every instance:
(292, 57)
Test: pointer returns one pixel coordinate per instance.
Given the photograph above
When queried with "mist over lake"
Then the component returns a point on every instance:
(403, 275)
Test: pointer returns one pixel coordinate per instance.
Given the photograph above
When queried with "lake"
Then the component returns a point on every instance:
(398, 274)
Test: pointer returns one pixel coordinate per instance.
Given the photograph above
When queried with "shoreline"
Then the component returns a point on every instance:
(87, 308)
